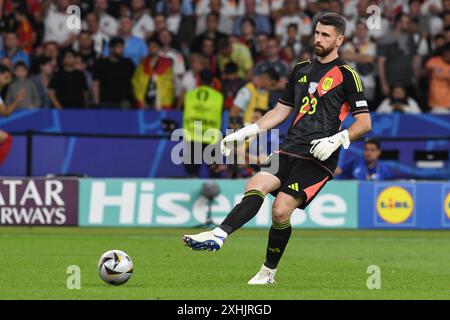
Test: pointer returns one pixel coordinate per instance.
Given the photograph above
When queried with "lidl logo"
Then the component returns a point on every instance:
(395, 205)
(445, 216)
(447, 205)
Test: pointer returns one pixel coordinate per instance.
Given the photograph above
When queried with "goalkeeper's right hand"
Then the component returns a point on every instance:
(239, 136)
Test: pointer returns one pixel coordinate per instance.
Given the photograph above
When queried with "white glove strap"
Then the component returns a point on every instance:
(345, 139)
(249, 131)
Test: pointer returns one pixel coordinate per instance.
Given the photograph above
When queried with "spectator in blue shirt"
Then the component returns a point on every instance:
(367, 167)
(135, 48)
(162, 6)
(12, 50)
(262, 23)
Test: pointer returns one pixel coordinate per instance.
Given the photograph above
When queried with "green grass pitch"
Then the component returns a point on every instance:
(325, 264)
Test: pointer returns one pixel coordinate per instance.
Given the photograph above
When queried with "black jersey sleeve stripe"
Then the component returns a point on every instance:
(286, 103)
(360, 111)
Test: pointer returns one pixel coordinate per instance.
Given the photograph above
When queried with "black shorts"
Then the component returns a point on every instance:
(300, 177)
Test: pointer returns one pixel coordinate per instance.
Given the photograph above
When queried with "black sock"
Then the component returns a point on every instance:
(279, 235)
(243, 212)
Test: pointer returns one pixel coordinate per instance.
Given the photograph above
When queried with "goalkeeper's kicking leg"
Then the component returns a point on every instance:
(279, 235)
(255, 191)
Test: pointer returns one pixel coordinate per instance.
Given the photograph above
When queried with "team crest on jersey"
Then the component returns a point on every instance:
(327, 83)
(312, 87)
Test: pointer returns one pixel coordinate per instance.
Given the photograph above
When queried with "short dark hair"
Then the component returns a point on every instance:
(373, 141)
(223, 43)
(4, 69)
(335, 20)
(43, 60)
(154, 39)
(116, 41)
(230, 68)
(20, 64)
(272, 74)
(206, 77)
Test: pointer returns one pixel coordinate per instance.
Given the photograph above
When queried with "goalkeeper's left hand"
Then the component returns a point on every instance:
(323, 148)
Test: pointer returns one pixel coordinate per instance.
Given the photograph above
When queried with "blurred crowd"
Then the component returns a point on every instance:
(149, 54)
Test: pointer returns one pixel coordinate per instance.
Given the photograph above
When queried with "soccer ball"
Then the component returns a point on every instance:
(115, 267)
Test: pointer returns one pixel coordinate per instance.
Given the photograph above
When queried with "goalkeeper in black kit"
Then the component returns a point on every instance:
(321, 93)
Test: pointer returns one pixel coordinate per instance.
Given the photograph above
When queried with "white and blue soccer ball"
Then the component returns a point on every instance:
(115, 267)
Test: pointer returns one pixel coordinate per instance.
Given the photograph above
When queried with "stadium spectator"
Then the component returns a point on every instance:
(254, 95)
(23, 83)
(42, 79)
(272, 61)
(166, 7)
(85, 46)
(181, 22)
(233, 51)
(51, 51)
(153, 81)
(108, 24)
(68, 87)
(248, 37)
(231, 84)
(398, 57)
(360, 53)
(201, 105)
(190, 79)
(293, 15)
(204, 8)
(55, 23)
(262, 23)
(292, 39)
(135, 48)
(438, 69)
(168, 51)
(262, 40)
(212, 32)
(112, 78)
(81, 65)
(143, 24)
(24, 30)
(160, 23)
(12, 50)
(208, 51)
(399, 102)
(7, 109)
(367, 167)
(99, 38)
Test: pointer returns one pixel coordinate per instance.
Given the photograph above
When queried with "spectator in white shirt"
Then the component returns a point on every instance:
(99, 38)
(215, 6)
(108, 24)
(143, 24)
(293, 16)
(55, 25)
(398, 102)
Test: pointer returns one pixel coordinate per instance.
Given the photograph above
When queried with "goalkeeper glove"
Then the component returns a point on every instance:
(238, 136)
(323, 148)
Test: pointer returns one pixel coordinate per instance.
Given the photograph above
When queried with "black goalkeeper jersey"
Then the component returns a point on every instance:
(322, 94)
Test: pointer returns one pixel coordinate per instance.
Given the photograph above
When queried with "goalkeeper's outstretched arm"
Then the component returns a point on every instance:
(274, 117)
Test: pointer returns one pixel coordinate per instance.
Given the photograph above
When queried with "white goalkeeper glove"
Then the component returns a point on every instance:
(323, 148)
(239, 136)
